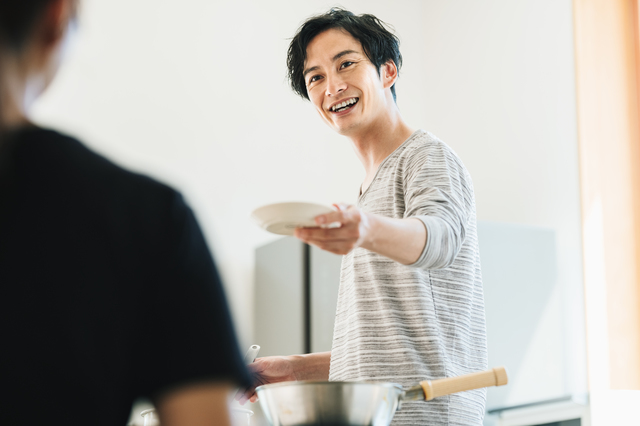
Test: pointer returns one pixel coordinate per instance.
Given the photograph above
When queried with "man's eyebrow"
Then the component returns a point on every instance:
(335, 58)
(341, 54)
(308, 70)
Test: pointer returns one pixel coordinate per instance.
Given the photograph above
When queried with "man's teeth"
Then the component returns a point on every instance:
(344, 104)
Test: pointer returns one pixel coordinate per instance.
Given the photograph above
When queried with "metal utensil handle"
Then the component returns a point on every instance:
(251, 354)
(435, 388)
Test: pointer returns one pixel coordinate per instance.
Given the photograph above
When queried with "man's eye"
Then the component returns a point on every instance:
(314, 78)
(346, 64)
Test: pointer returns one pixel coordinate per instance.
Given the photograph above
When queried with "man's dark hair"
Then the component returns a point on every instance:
(378, 43)
(17, 20)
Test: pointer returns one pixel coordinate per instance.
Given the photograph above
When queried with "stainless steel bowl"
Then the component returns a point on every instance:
(359, 403)
(329, 403)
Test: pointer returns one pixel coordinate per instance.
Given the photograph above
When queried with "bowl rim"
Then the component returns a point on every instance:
(328, 383)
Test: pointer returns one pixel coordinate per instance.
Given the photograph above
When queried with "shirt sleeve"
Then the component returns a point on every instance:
(188, 336)
(439, 192)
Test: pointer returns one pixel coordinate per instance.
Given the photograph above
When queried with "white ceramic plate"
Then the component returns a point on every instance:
(283, 218)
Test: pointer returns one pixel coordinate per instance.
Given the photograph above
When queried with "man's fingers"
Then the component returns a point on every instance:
(327, 218)
(343, 214)
(244, 395)
(338, 240)
(249, 395)
(342, 206)
(315, 235)
(338, 243)
(341, 247)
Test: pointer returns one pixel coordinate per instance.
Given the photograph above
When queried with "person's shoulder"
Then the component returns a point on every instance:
(78, 170)
(425, 152)
(424, 145)
(422, 140)
(62, 165)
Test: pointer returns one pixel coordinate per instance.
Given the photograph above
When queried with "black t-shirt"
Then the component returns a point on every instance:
(108, 291)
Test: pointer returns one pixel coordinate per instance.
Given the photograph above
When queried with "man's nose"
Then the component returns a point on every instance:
(335, 85)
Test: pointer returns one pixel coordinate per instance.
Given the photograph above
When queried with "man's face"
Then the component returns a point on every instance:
(342, 83)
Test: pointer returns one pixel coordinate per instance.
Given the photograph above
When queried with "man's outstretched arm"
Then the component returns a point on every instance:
(402, 240)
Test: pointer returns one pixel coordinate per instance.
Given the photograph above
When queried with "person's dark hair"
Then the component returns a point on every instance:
(17, 18)
(378, 43)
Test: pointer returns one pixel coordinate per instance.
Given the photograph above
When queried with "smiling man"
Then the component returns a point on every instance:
(410, 305)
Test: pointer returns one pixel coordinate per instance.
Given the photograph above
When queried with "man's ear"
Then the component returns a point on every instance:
(54, 21)
(388, 73)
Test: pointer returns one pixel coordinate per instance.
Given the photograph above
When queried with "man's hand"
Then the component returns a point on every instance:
(348, 229)
(275, 369)
(272, 369)
(402, 240)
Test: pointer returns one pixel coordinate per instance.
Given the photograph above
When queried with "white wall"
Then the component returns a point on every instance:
(193, 92)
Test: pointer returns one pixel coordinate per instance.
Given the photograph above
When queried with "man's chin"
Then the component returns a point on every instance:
(344, 129)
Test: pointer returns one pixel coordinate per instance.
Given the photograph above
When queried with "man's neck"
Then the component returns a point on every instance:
(377, 142)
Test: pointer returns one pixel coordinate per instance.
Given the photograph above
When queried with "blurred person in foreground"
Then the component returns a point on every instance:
(108, 291)
(410, 304)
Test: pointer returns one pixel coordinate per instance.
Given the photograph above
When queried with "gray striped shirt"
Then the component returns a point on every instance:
(404, 324)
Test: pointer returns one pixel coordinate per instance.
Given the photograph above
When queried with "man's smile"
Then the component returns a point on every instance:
(343, 106)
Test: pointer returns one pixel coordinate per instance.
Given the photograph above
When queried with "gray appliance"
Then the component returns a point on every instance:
(296, 289)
